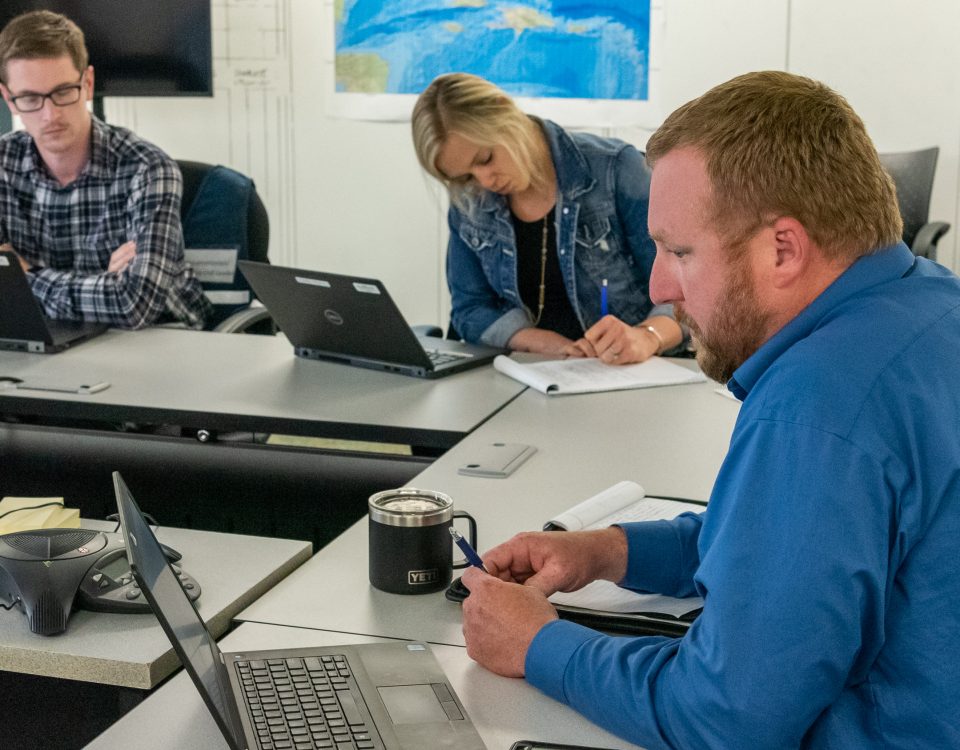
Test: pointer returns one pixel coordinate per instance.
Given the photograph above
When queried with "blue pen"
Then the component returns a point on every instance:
(468, 552)
(603, 298)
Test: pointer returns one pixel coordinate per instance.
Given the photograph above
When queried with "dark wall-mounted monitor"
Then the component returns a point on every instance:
(139, 47)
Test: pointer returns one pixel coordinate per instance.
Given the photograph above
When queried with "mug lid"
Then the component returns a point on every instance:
(410, 506)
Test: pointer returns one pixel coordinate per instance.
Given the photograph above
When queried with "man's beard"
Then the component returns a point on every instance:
(737, 328)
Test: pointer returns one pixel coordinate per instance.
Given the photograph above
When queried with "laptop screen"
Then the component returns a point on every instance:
(20, 315)
(190, 638)
(346, 317)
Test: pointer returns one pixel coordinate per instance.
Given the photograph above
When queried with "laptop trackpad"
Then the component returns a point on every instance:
(413, 704)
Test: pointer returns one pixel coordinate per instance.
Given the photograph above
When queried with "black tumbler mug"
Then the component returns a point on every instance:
(411, 550)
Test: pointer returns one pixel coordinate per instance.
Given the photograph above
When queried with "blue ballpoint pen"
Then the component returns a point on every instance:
(603, 298)
(469, 552)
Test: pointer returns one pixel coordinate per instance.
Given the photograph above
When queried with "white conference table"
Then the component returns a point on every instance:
(503, 710)
(231, 382)
(131, 650)
(670, 440)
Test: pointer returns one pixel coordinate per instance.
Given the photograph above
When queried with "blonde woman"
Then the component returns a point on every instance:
(548, 247)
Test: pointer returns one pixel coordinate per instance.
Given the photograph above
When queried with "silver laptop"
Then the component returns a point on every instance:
(23, 326)
(374, 696)
(353, 320)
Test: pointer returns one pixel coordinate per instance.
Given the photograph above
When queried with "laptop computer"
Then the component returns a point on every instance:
(373, 696)
(353, 320)
(23, 326)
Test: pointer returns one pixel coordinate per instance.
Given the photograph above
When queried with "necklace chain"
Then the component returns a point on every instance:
(543, 271)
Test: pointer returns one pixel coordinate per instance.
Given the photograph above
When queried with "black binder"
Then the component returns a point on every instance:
(609, 622)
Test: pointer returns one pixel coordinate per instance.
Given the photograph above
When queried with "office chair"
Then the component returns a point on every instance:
(221, 210)
(912, 172)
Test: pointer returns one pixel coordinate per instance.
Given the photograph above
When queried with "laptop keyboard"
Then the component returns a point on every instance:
(311, 702)
(441, 358)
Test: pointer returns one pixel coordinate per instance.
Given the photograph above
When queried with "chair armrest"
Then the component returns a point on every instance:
(242, 320)
(925, 243)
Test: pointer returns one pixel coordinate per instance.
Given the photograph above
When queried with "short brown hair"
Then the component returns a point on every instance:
(479, 111)
(41, 34)
(778, 144)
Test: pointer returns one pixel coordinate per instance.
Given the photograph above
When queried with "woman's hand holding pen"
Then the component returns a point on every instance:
(614, 342)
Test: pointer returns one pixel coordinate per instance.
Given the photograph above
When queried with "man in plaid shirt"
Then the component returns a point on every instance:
(91, 210)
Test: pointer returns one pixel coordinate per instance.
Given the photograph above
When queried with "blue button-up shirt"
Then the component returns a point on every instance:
(828, 556)
(603, 187)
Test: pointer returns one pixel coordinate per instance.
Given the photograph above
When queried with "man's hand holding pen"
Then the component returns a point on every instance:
(508, 606)
(500, 620)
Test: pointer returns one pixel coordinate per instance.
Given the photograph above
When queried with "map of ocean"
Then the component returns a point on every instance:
(536, 48)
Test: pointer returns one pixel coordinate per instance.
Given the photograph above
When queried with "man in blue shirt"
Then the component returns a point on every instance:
(828, 556)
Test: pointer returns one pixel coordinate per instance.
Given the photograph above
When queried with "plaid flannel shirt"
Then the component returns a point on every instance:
(129, 190)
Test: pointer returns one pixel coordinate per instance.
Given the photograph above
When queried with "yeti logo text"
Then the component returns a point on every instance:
(423, 576)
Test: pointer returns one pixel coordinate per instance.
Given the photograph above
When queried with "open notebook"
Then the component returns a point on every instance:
(623, 502)
(604, 605)
(568, 376)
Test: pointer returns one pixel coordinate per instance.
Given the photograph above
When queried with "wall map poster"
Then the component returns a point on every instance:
(573, 53)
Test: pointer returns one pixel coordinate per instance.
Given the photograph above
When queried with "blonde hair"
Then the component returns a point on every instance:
(42, 34)
(480, 112)
(778, 144)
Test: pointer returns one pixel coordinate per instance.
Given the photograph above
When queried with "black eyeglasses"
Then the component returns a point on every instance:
(61, 97)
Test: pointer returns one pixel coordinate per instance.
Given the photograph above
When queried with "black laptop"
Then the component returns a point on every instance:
(353, 320)
(23, 326)
(373, 696)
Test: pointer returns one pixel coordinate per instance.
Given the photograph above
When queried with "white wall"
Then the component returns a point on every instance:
(348, 196)
(902, 76)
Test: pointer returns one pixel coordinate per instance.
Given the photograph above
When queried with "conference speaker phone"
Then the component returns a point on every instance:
(47, 572)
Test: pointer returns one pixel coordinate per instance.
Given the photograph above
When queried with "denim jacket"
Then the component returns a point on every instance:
(603, 187)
